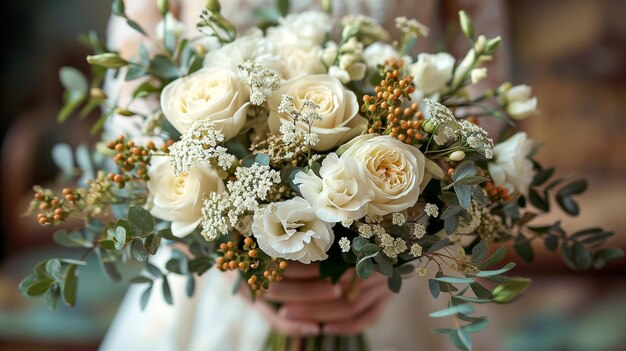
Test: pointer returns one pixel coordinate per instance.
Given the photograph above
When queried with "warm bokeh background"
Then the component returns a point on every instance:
(572, 52)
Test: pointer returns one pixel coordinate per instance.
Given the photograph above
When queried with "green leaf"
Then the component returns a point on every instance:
(167, 292)
(283, 7)
(365, 267)
(495, 258)
(471, 299)
(118, 8)
(477, 326)
(74, 262)
(568, 204)
(191, 285)
(480, 291)
(134, 25)
(53, 297)
(152, 244)
(465, 338)
(27, 282)
(368, 249)
(576, 187)
(479, 251)
(74, 81)
(200, 265)
(465, 308)
(439, 245)
(108, 245)
(509, 290)
(39, 287)
(433, 286)
(551, 242)
(141, 279)
(119, 238)
(539, 201)
(138, 250)
(53, 267)
(523, 248)
(153, 270)
(600, 257)
(70, 285)
(131, 228)
(464, 193)
(465, 169)
(542, 176)
(142, 218)
(581, 258)
(502, 270)
(454, 280)
(395, 282)
(145, 296)
(164, 68)
(384, 265)
(472, 180)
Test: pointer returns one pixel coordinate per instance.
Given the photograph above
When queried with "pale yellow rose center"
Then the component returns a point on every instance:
(389, 169)
(198, 95)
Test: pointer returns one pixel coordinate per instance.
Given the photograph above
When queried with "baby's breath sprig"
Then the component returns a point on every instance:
(132, 160)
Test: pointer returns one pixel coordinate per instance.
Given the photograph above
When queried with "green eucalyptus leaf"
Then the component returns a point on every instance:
(167, 292)
(472, 180)
(145, 297)
(480, 291)
(580, 257)
(119, 238)
(134, 25)
(454, 280)
(395, 282)
(495, 258)
(524, 249)
(190, 286)
(509, 290)
(464, 338)
(384, 265)
(539, 201)
(479, 251)
(365, 268)
(200, 265)
(502, 270)
(153, 270)
(138, 250)
(433, 286)
(39, 287)
(27, 282)
(568, 204)
(542, 176)
(464, 194)
(70, 285)
(141, 279)
(576, 187)
(53, 297)
(131, 228)
(53, 267)
(164, 68)
(465, 308)
(551, 242)
(600, 257)
(141, 218)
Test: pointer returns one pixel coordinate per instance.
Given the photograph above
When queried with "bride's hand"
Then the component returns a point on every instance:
(309, 306)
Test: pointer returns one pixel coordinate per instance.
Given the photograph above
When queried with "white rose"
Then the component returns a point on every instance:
(395, 171)
(511, 166)
(339, 193)
(180, 199)
(297, 59)
(291, 230)
(519, 101)
(252, 46)
(339, 109)
(216, 94)
(431, 72)
(309, 27)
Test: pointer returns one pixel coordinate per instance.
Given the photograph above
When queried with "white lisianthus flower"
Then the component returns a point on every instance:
(377, 53)
(214, 94)
(291, 230)
(338, 109)
(395, 171)
(308, 27)
(171, 24)
(339, 193)
(300, 59)
(179, 199)
(511, 166)
(431, 72)
(519, 101)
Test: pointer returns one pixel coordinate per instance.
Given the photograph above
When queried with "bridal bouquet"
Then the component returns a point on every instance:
(311, 141)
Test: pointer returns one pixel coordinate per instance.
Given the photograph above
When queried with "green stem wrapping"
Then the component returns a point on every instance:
(280, 342)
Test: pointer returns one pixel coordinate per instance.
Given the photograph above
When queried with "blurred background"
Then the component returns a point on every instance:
(573, 53)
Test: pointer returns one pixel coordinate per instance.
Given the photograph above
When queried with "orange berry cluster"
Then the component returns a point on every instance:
(132, 160)
(53, 210)
(405, 125)
(249, 257)
(497, 193)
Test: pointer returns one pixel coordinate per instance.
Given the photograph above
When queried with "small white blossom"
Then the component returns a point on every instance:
(197, 145)
(344, 244)
(347, 222)
(398, 219)
(411, 26)
(416, 250)
(368, 30)
(419, 231)
(431, 210)
(372, 218)
(262, 80)
(421, 271)
(395, 247)
(365, 230)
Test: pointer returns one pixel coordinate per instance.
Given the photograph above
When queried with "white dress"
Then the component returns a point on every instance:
(215, 319)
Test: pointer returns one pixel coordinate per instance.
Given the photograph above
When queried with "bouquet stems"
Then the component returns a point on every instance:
(280, 342)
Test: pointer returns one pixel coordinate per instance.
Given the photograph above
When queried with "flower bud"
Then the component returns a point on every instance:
(163, 6)
(480, 44)
(327, 6)
(123, 112)
(213, 6)
(458, 155)
(97, 94)
(478, 74)
(118, 8)
(108, 60)
(493, 44)
(428, 126)
(466, 24)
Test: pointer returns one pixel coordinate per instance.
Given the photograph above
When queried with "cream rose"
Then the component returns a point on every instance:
(291, 230)
(298, 59)
(431, 72)
(339, 193)
(511, 166)
(216, 94)
(395, 171)
(179, 199)
(339, 109)
(308, 27)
